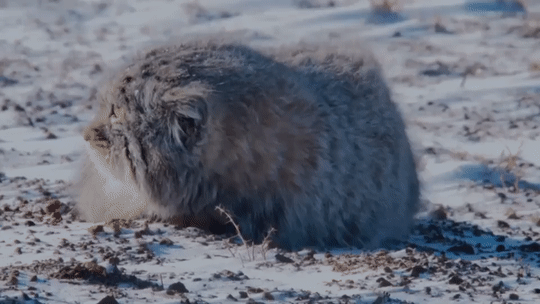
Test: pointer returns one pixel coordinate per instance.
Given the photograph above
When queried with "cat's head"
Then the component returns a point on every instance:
(148, 127)
(145, 142)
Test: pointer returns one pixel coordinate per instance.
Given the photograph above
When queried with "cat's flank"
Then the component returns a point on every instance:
(303, 140)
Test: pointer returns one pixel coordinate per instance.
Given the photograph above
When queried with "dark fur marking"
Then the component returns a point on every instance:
(145, 74)
(128, 156)
(151, 54)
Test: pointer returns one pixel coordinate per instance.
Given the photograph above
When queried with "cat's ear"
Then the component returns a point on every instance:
(187, 114)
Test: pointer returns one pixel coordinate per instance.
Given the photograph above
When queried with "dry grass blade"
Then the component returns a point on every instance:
(247, 244)
(509, 164)
(225, 212)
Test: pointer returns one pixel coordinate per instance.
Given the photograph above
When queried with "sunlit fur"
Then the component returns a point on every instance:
(305, 140)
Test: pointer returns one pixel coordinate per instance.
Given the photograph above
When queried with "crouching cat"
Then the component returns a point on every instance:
(303, 140)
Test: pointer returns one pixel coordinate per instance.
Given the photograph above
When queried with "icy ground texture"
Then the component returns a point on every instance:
(465, 73)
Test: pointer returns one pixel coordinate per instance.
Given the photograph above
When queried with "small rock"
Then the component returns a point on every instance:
(5, 81)
(283, 259)
(464, 248)
(108, 300)
(417, 270)
(170, 292)
(56, 216)
(177, 287)
(95, 268)
(116, 228)
(25, 296)
(268, 296)
(383, 282)
(50, 135)
(456, 280)
(254, 289)
(166, 241)
(480, 215)
(513, 296)
(502, 224)
(532, 247)
(243, 294)
(513, 216)
(114, 261)
(18, 250)
(498, 287)
(94, 230)
(230, 297)
(34, 278)
(431, 150)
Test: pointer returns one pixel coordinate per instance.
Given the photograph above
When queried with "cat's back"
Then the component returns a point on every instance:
(226, 69)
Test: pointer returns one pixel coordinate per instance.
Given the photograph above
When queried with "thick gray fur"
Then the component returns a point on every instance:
(305, 140)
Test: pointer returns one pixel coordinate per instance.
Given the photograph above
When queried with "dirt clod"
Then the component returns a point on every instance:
(53, 206)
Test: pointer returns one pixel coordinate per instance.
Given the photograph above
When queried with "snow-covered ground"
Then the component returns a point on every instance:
(466, 75)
